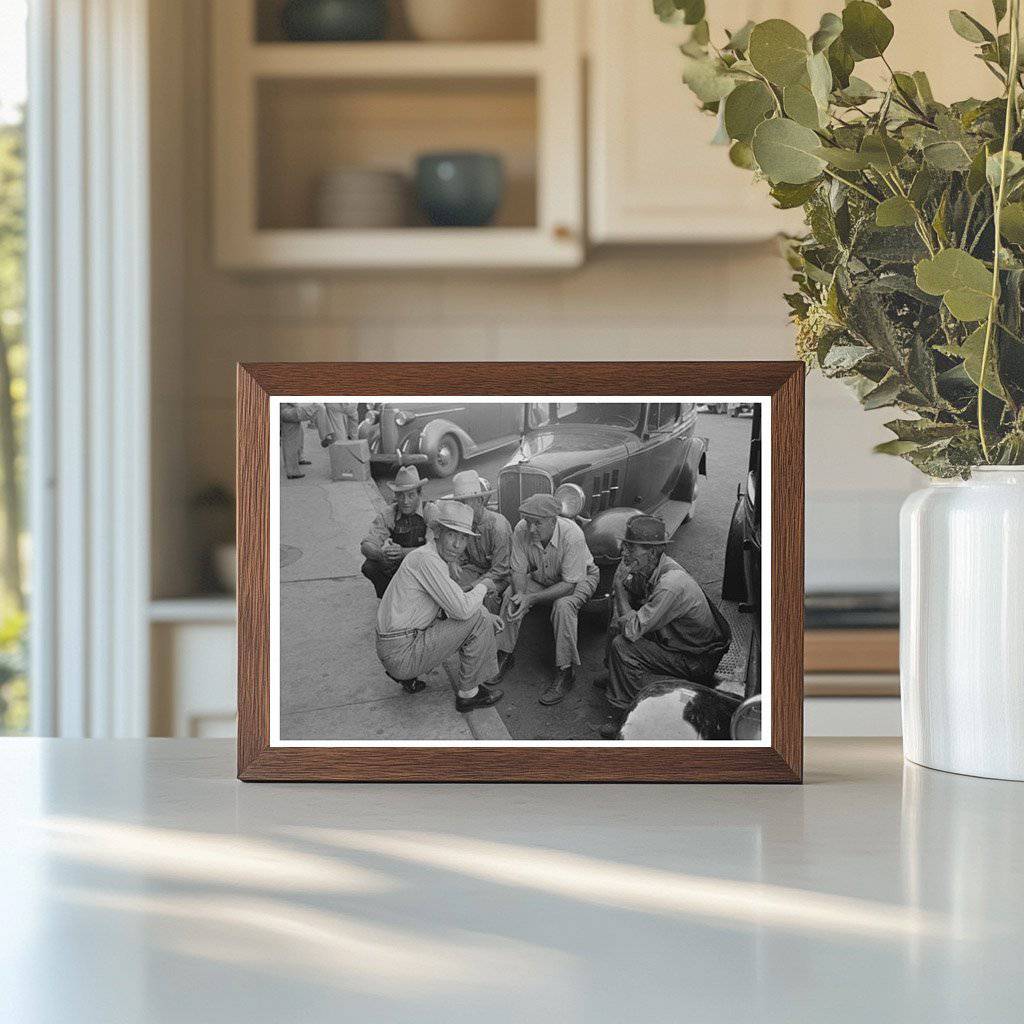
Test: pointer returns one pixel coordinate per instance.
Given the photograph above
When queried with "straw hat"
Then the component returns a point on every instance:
(469, 484)
(454, 516)
(407, 479)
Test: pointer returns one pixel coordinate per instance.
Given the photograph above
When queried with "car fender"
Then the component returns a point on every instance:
(694, 464)
(604, 533)
(433, 431)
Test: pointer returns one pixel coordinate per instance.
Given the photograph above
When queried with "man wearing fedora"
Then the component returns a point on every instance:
(550, 565)
(486, 556)
(664, 623)
(396, 531)
(425, 617)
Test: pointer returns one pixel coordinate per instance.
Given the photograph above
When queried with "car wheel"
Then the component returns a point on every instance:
(445, 458)
(734, 586)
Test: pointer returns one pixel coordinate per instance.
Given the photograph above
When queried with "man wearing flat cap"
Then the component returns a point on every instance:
(664, 622)
(396, 531)
(425, 617)
(550, 565)
(486, 556)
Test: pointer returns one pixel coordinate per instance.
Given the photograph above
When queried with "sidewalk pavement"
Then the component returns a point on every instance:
(332, 685)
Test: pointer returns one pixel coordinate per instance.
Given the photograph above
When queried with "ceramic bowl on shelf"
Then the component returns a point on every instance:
(470, 20)
(334, 21)
(460, 189)
(362, 197)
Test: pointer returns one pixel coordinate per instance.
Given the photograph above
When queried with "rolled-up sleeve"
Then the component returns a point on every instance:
(668, 602)
(519, 559)
(379, 532)
(575, 555)
(435, 578)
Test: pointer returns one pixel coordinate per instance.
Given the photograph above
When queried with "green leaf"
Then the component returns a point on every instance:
(844, 159)
(829, 30)
(801, 106)
(739, 41)
(707, 78)
(976, 173)
(690, 12)
(1012, 223)
(895, 212)
(923, 431)
(999, 9)
(969, 28)
(895, 447)
(993, 166)
(885, 394)
(741, 155)
(922, 185)
(883, 152)
(779, 51)
(866, 29)
(788, 196)
(924, 88)
(947, 156)
(819, 75)
(963, 281)
(841, 63)
(786, 151)
(745, 108)
(971, 351)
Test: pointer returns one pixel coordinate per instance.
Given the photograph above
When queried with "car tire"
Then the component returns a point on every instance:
(734, 585)
(693, 500)
(444, 460)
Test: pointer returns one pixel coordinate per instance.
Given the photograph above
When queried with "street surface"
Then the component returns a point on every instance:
(699, 546)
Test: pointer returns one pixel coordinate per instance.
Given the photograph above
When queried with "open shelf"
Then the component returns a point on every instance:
(286, 114)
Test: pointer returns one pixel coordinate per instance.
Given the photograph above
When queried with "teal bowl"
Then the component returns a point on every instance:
(461, 190)
(334, 21)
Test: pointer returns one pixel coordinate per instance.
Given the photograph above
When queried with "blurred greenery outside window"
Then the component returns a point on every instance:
(14, 538)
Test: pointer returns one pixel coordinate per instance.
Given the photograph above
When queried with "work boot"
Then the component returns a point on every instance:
(558, 687)
(305, 462)
(612, 726)
(295, 476)
(484, 697)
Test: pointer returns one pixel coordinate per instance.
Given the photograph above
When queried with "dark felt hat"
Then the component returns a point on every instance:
(645, 530)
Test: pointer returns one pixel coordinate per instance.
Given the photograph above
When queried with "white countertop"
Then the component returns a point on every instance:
(140, 882)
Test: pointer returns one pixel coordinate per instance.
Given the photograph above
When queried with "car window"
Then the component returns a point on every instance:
(666, 415)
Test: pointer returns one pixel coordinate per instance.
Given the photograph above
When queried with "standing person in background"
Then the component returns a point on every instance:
(396, 531)
(486, 556)
(291, 417)
(550, 565)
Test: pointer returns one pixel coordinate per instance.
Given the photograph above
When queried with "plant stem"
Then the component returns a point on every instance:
(1011, 108)
(853, 185)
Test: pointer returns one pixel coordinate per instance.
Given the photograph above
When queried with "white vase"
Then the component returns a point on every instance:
(962, 624)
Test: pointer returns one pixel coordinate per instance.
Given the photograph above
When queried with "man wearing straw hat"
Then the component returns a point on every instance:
(425, 617)
(550, 565)
(487, 556)
(395, 532)
(664, 623)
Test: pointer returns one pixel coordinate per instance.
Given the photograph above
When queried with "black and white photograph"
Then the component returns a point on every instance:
(555, 570)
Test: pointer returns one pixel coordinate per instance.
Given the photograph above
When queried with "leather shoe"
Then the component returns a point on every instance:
(558, 687)
(610, 729)
(305, 462)
(484, 697)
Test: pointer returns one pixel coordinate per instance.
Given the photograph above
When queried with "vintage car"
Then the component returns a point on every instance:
(606, 462)
(741, 580)
(438, 435)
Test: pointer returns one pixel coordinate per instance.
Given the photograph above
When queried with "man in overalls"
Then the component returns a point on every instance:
(395, 532)
(664, 622)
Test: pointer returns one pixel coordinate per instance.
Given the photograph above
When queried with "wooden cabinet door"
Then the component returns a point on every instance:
(654, 176)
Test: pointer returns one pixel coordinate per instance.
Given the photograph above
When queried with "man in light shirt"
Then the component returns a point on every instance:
(425, 617)
(551, 565)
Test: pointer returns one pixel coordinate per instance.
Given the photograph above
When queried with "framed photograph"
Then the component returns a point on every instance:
(564, 572)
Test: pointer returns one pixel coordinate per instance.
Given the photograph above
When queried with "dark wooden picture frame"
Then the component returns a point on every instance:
(781, 761)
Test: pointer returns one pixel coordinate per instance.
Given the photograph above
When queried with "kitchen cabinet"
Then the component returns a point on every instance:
(653, 175)
(287, 114)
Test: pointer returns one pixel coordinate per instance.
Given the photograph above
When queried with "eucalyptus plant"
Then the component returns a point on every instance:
(910, 277)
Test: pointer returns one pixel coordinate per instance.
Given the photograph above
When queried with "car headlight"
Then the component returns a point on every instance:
(402, 417)
(571, 498)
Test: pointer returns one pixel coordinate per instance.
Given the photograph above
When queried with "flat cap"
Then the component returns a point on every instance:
(543, 505)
